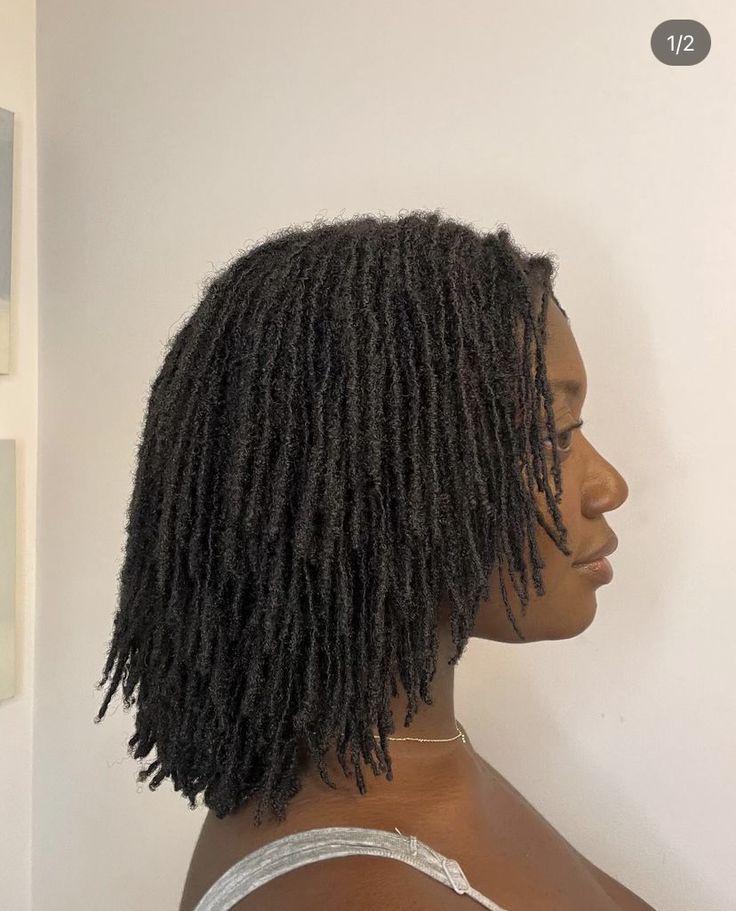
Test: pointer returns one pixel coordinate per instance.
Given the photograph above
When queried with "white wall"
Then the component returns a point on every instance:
(18, 418)
(174, 134)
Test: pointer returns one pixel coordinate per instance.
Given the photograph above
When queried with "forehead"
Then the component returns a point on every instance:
(565, 367)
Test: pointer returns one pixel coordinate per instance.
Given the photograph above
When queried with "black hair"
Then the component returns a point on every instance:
(344, 431)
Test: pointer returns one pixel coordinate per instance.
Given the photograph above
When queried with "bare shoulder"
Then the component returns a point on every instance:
(362, 883)
(508, 851)
(625, 898)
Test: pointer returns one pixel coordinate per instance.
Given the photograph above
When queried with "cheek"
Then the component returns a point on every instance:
(556, 567)
(556, 562)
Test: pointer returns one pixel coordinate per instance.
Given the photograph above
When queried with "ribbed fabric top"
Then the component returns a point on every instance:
(302, 848)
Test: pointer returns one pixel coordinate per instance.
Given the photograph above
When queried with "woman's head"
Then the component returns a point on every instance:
(591, 486)
(354, 430)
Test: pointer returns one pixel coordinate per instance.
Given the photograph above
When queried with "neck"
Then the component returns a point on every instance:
(435, 721)
(413, 763)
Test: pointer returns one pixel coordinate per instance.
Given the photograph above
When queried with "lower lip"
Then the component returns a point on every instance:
(601, 570)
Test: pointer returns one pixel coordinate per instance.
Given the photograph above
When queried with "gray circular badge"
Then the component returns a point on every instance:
(680, 42)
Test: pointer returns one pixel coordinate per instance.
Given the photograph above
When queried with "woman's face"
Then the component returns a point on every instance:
(591, 486)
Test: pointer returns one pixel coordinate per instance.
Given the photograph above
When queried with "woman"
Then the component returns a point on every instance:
(361, 448)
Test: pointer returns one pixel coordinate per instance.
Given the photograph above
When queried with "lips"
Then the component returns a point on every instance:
(601, 570)
(608, 548)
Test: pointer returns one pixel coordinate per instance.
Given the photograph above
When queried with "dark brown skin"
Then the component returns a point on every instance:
(446, 793)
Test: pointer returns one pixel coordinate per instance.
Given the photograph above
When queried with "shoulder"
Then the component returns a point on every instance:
(362, 882)
(624, 898)
(359, 882)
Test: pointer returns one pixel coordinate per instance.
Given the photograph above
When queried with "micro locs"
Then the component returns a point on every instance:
(347, 428)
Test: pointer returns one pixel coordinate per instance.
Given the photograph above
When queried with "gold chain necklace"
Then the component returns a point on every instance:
(460, 733)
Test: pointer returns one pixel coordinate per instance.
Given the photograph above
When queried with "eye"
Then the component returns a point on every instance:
(564, 438)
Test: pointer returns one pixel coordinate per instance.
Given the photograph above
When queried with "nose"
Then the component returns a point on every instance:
(605, 488)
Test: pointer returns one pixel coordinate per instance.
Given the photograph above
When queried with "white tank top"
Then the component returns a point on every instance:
(302, 848)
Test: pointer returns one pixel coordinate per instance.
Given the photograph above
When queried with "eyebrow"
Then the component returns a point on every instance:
(571, 387)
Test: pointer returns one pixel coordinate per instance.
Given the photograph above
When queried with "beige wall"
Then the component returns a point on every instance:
(174, 134)
(18, 418)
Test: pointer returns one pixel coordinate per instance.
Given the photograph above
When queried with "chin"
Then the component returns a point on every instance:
(570, 630)
(565, 626)
(543, 622)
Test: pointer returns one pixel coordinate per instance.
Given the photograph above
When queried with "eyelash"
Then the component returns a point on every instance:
(562, 432)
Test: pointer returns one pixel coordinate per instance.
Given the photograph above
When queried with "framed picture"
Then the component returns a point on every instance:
(6, 210)
(7, 568)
